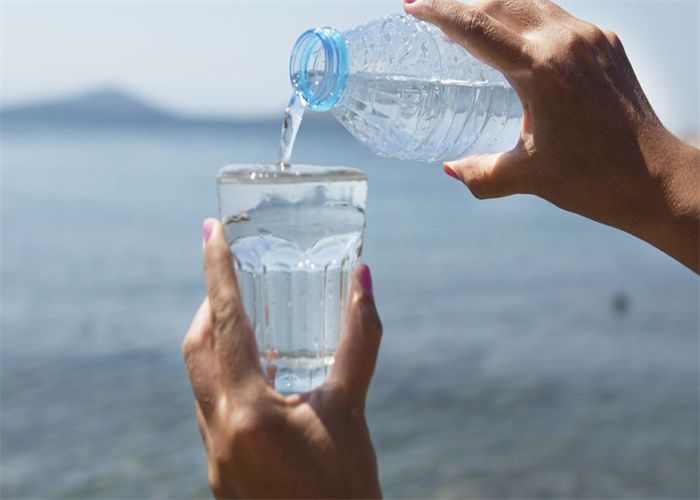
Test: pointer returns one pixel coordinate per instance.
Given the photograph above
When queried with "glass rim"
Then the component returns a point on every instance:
(252, 173)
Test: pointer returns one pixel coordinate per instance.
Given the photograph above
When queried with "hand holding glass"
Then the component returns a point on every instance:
(295, 235)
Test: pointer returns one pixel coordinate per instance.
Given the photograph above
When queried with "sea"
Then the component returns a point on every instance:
(527, 352)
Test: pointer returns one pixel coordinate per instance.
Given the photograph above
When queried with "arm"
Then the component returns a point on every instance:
(260, 444)
(591, 143)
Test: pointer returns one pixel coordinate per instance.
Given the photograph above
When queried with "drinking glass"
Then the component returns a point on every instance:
(295, 235)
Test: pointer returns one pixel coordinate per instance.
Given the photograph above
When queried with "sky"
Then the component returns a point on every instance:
(230, 58)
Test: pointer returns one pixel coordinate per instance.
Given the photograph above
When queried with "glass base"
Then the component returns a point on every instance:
(294, 375)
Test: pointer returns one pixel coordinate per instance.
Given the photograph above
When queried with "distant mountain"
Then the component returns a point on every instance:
(105, 105)
(114, 108)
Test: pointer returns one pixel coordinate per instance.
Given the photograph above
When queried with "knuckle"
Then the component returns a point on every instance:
(473, 20)
(192, 343)
(221, 481)
(247, 428)
(225, 309)
(226, 306)
(243, 430)
(215, 482)
(596, 37)
(430, 8)
(492, 6)
(548, 57)
(574, 43)
(231, 318)
(612, 38)
(556, 63)
(239, 432)
(188, 346)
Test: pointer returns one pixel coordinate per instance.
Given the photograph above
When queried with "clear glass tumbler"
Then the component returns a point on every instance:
(295, 236)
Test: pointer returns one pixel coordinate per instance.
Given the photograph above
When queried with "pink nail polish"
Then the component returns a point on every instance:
(409, 1)
(449, 171)
(366, 279)
(207, 230)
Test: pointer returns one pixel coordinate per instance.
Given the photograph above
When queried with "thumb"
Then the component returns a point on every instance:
(358, 348)
(492, 175)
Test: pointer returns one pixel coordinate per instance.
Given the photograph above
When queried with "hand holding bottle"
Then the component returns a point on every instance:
(590, 142)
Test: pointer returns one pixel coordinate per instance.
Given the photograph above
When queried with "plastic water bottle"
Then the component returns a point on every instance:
(405, 90)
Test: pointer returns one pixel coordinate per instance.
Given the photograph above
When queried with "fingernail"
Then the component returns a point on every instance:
(449, 171)
(409, 1)
(207, 230)
(366, 280)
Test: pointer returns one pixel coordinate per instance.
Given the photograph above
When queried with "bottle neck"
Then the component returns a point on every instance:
(319, 67)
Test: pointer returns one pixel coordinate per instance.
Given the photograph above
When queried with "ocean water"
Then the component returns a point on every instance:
(527, 352)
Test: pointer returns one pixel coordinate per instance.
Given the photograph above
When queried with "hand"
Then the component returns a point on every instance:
(260, 444)
(590, 142)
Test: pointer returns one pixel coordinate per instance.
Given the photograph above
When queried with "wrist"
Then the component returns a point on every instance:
(665, 205)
